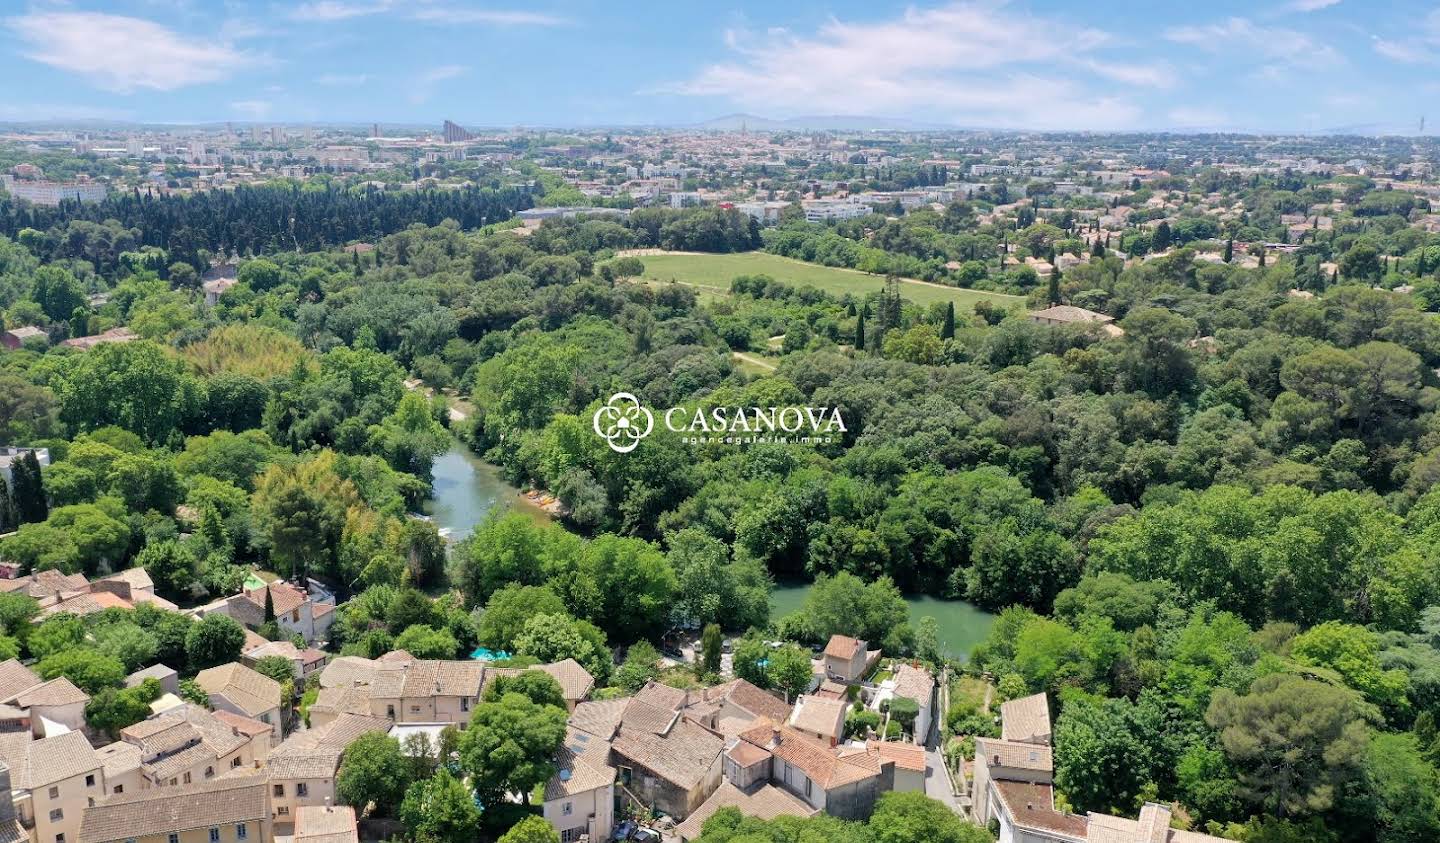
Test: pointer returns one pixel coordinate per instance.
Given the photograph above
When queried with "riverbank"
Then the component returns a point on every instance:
(466, 489)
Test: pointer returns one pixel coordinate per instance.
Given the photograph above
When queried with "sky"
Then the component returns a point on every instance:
(1261, 65)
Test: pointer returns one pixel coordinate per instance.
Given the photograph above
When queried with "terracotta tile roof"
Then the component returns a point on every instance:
(1020, 756)
(16, 677)
(662, 696)
(906, 756)
(822, 764)
(746, 754)
(119, 758)
(35, 763)
(640, 716)
(599, 717)
(914, 683)
(82, 605)
(154, 671)
(137, 578)
(47, 583)
(753, 699)
(58, 691)
(1025, 719)
(243, 725)
(347, 670)
(682, 756)
(1033, 806)
(315, 753)
(325, 824)
(146, 813)
(844, 647)
(767, 803)
(252, 692)
(1070, 313)
(576, 683)
(1153, 826)
(285, 649)
(577, 772)
(819, 714)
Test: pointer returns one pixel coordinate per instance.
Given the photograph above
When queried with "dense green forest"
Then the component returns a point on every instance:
(1212, 538)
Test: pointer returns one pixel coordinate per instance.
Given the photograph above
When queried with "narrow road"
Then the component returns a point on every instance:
(937, 783)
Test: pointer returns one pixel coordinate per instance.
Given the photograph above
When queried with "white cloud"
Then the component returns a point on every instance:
(961, 63)
(1408, 52)
(253, 109)
(441, 73)
(1311, 5)
(1279, 45)
(342, 80)
(123, 54)
(1419, 48)
(337, 10)
(333, 10)
(494, 17)
(423, 87)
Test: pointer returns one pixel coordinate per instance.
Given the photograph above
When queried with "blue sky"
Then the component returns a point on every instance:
(1283, 65)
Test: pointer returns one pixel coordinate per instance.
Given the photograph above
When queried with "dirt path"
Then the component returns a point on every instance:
(753, 360)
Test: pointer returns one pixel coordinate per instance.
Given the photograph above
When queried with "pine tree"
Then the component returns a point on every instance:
(860, 333)
(947, 331)
(28, 493)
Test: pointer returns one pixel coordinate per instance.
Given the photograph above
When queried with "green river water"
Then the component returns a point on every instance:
(467, 488)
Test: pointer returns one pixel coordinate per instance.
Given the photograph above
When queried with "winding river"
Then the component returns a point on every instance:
(467, 488)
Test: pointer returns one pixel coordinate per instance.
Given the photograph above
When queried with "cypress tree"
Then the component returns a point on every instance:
(7, 519)
(1053, 294)
(1229, 249)
(28, 495)
(269, 605)
(1262, 258)
(947, 331)
(860, 333)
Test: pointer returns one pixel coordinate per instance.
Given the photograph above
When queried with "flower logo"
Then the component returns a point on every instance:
(622, 422)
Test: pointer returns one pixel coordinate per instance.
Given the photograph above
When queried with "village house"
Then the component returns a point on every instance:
(186, 745)
(304, 662)
(845, 658)
(295, 611)
(301, 771)
(40, 708)
(580, 797)
(51, 781)
(844, 781)
(399, 687)
(226, 810)
(236, 688)
(1068, 314)
(820, 718)
(916, 683)
(168, 678)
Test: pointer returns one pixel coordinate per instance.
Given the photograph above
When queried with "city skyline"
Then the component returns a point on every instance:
(1308, 65)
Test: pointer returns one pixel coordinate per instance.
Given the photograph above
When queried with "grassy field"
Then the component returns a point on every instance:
(712, 275)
